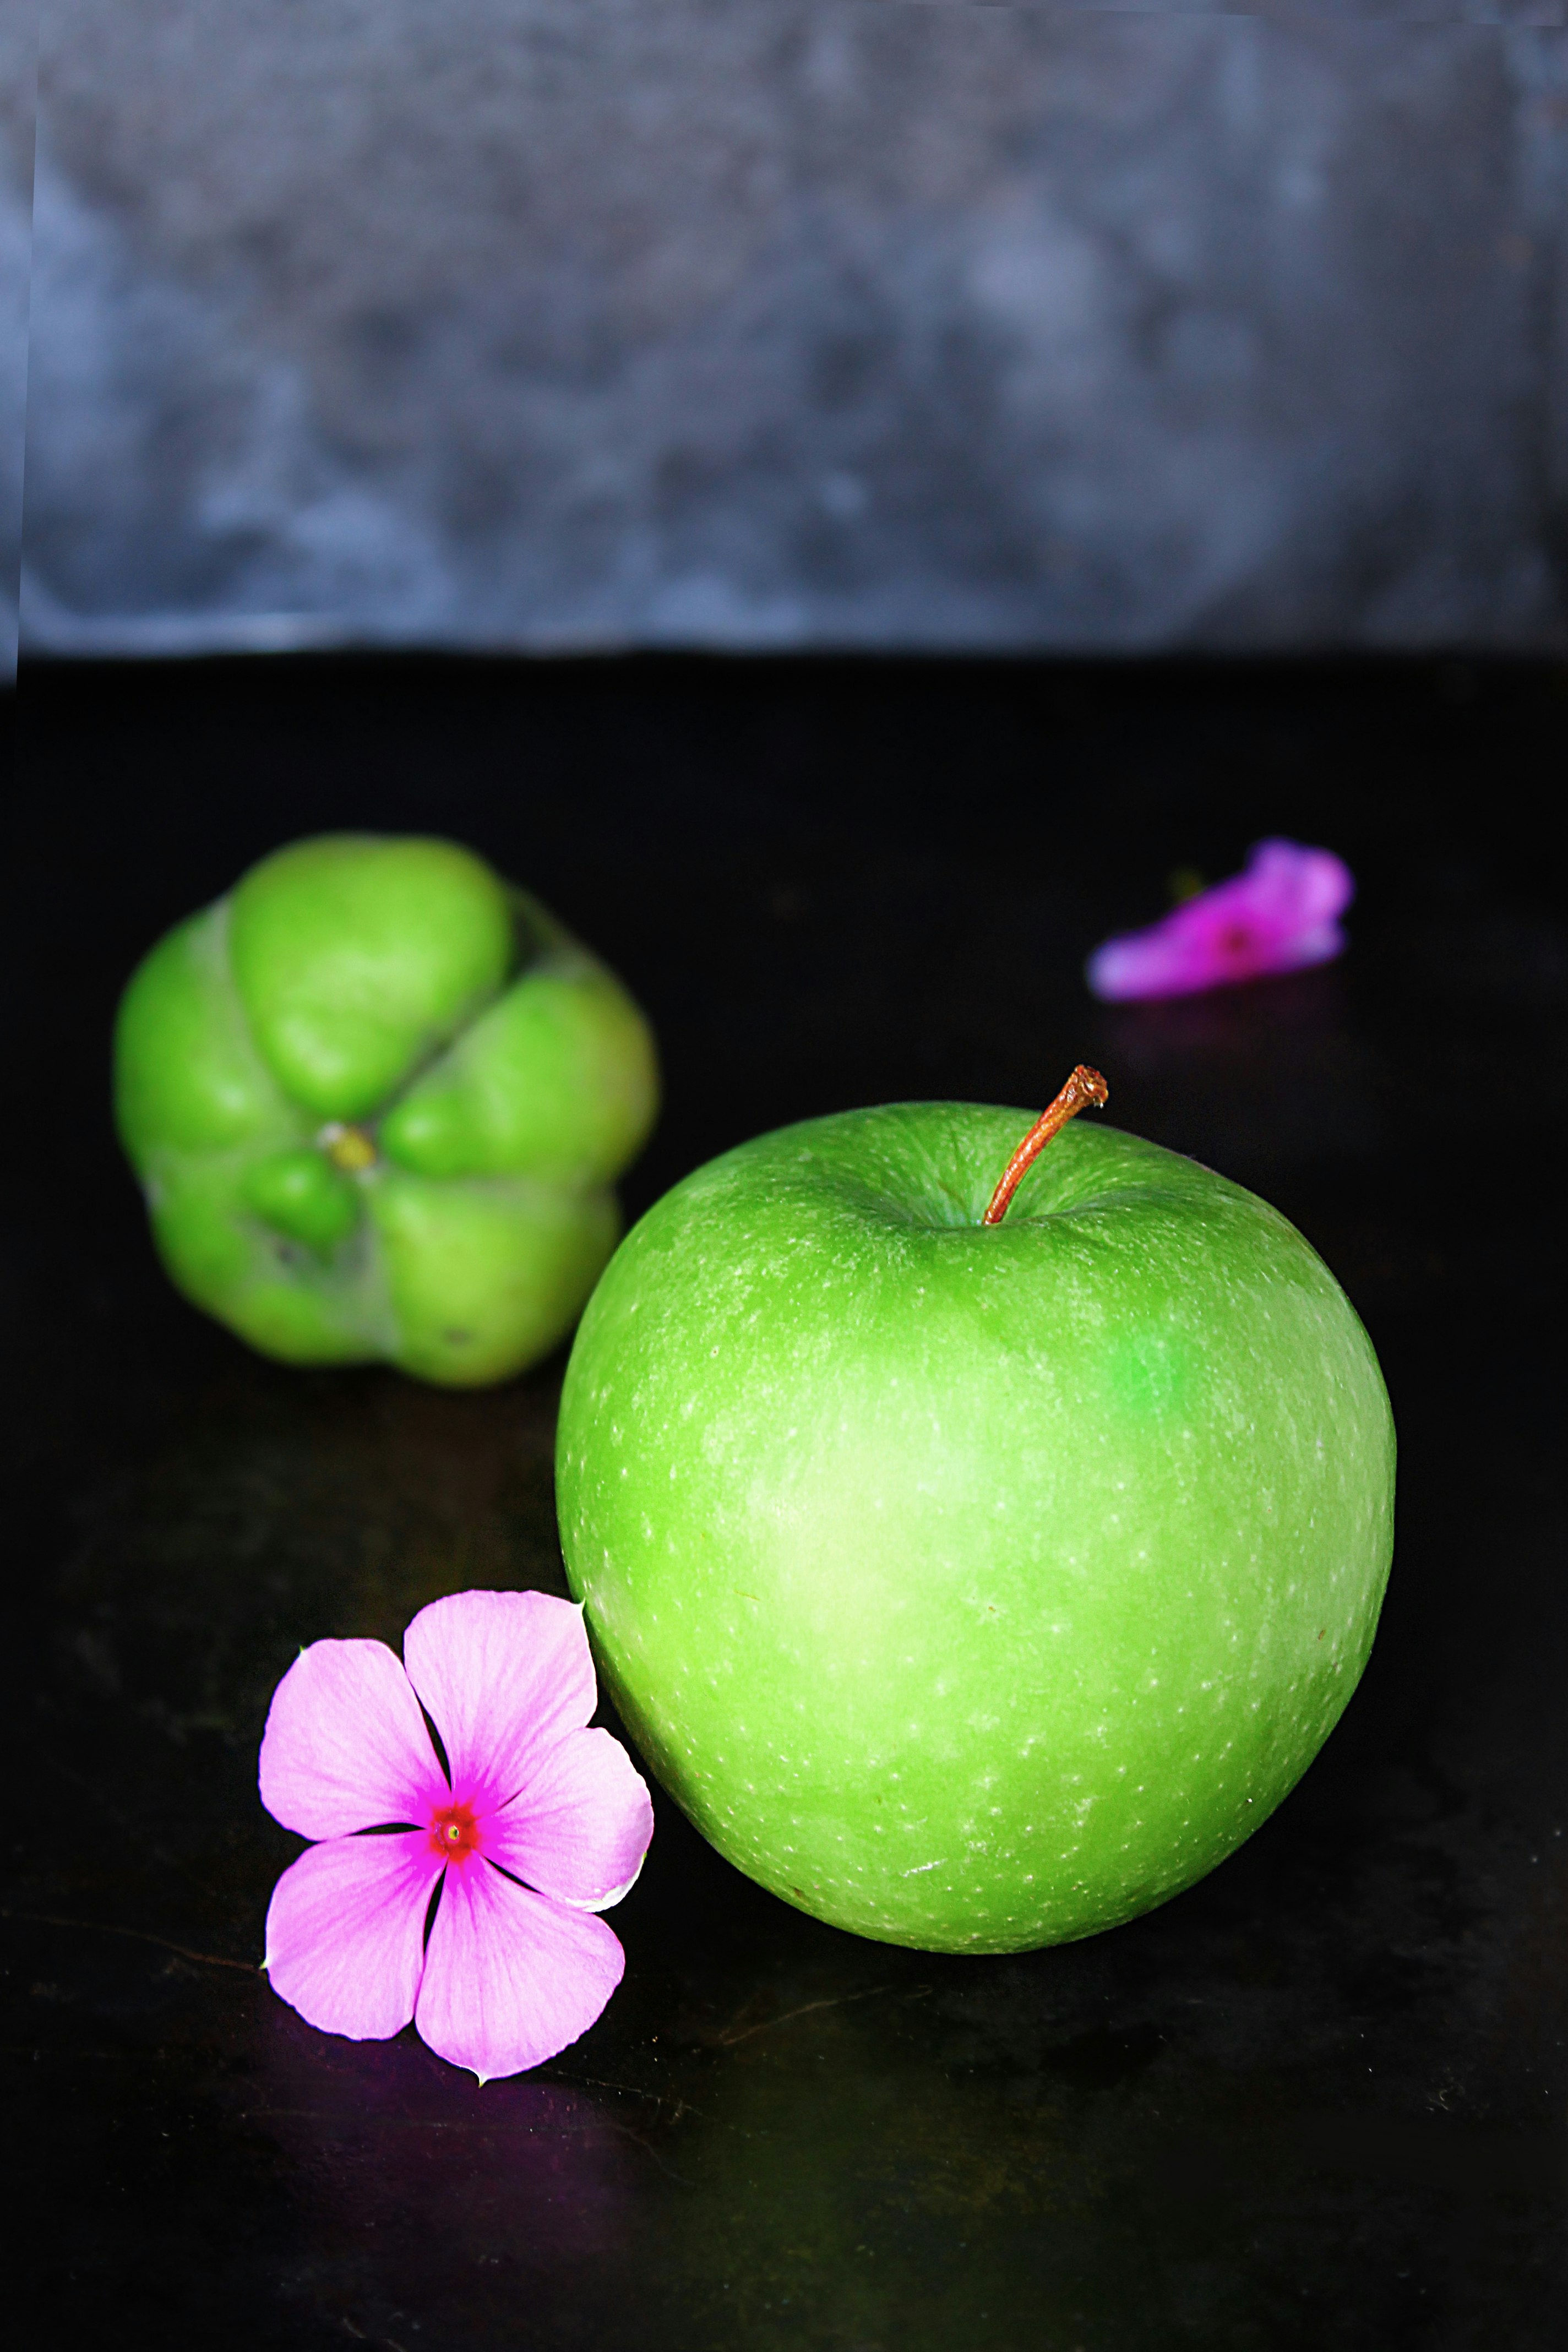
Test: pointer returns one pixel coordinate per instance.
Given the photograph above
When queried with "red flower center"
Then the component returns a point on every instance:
(454, 1832)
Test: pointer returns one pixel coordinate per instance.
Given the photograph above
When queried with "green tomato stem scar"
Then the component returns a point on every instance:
(1084, 1086)
(348, 1148)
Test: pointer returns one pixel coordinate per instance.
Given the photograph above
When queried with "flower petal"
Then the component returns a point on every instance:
(345, 1745)
(581, 1823)
(510, 1978)
(1305, 886)
(503, 1675)
(580, 1829)
(1279, 916)
(345, 1932)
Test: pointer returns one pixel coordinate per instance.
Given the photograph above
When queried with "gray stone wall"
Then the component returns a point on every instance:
(19, 77)
(563, 323)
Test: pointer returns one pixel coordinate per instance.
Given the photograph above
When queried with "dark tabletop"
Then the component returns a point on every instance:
(1318, 2100)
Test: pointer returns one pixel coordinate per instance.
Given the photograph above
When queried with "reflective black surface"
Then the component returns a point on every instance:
(1320, 2099)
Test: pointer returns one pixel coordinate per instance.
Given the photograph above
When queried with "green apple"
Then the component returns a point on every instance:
(376, 1098)
(974, 1585)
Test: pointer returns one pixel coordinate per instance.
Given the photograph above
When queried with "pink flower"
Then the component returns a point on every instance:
(536, 1824)
(1279, 916)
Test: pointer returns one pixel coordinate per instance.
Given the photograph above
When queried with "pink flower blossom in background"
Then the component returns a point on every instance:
(537, 1825)
(1280, 915)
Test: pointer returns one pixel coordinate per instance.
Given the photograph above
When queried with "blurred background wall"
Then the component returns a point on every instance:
(563, 323)
(18, 83)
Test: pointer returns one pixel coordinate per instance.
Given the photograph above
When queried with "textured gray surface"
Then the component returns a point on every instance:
(18, 76)
(547, 325)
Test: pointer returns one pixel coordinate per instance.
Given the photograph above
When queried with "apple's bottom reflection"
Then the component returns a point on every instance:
(962, 2155)
(425, 2195)
(830, 2174)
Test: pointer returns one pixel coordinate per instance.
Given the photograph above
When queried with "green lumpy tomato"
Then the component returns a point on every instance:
(974, 1587)
(376, 1098)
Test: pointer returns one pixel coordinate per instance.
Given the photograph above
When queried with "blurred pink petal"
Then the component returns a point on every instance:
(345, 1745)
(345, 1932)
(1280, 915)
(581, 1827)
(503, 1675)
(510, 1978)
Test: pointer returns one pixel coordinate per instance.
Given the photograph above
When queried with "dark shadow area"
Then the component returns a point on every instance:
(1321, 2098)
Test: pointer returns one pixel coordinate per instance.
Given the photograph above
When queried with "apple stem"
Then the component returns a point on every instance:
(1084, 1086)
